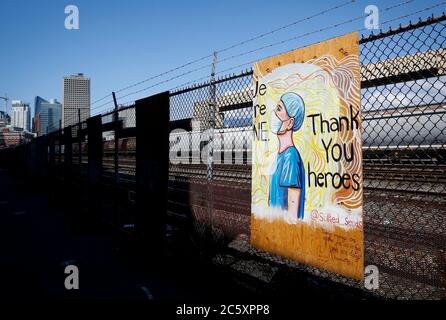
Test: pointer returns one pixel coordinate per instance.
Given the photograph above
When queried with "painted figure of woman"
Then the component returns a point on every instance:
(287, 184)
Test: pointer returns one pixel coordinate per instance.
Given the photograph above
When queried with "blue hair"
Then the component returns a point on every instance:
(295, 107)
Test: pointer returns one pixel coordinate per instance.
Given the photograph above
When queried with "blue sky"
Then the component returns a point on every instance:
(123, 42)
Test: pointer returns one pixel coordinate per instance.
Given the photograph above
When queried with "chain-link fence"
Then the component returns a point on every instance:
(404, 152)
(404, 167)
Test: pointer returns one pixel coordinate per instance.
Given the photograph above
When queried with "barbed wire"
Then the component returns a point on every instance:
(309, 33)
(154, 85)
(231, 47)
(154, 77)
(358, 30)
(287, 26)
(272, 45)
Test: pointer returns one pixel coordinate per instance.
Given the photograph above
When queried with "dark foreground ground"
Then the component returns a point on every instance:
(37, 241)
(39, 237)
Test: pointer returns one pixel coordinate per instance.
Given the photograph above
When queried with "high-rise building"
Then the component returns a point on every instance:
(38, 104)
(5, 119)
(48, 116)
(21, 115)
(76, 98)
(51, 116)
(36, 119)
(36, 125)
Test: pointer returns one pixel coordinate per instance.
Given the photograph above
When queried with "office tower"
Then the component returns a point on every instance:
(36, 119)
(76, 96)
(36, 125)
(48, 116)
(5, 119)
(51, 116)
(38, 104)
(21, 115)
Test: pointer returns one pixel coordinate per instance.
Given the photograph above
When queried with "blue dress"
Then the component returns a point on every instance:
(288, 173)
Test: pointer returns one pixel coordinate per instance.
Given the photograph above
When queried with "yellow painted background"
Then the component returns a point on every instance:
(332, 248)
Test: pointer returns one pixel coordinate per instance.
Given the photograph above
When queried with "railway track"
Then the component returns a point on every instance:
(427, 178)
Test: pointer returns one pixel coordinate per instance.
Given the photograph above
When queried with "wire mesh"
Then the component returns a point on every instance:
(404, 167)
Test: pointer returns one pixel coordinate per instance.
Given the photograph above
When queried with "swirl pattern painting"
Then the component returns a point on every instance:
(307, 168)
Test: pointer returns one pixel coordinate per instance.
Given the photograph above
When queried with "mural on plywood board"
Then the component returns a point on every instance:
(307, 157)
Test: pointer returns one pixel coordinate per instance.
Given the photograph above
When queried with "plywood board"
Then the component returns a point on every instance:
(307, 158)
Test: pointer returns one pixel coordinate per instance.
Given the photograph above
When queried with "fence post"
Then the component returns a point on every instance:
(115, 120)
(80, 136)
(211, 128)
(32, 160)
(211, 118)
(42, 157)
(51, 152)
(152, 169)
(94, 131)
(60, 143)
(68, 150)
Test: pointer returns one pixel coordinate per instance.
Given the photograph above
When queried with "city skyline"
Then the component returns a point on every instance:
(45, 116)
(7, 105)
(118, 45)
